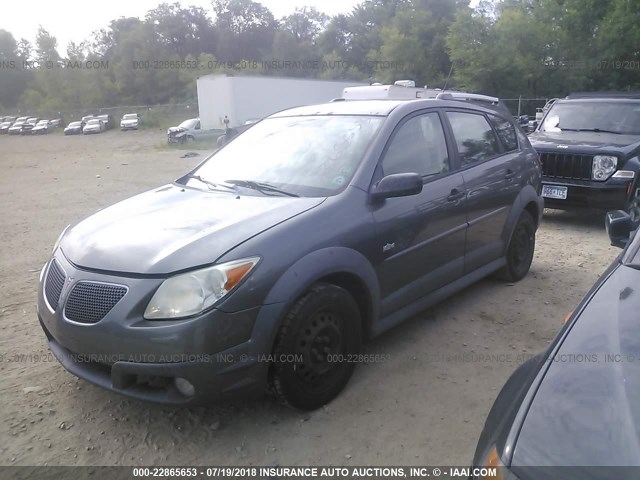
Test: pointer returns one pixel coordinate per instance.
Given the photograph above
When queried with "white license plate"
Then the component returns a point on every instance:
(554, 191)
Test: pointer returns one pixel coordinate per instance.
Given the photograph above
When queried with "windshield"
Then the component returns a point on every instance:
(93, 122)
(306, 156)
(75, 124)
(130, 116)
(191, 123)
(614, 117)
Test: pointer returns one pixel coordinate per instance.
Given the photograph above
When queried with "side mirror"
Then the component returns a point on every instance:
(397, 185)
(618, 224)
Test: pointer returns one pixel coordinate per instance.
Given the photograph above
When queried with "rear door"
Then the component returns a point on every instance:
(491, 174)
(421, 237)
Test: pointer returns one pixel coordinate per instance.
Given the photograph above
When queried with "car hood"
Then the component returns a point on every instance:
(176, 130)
(587, 142)
(586, 411)
(129, 121)
(172, 228)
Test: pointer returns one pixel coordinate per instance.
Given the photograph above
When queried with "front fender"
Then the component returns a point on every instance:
(305, 272)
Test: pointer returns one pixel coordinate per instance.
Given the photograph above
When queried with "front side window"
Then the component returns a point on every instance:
(307, 156)
(418, 146)
(474, 137)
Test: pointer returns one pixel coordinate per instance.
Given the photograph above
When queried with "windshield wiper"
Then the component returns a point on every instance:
(599, 130)
(595, 130)
(214, 186)
(261, 187)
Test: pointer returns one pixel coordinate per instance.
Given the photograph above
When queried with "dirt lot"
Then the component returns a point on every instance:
(425, 405)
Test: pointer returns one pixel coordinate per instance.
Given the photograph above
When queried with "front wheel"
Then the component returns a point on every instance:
(520, 250)
(315, 347)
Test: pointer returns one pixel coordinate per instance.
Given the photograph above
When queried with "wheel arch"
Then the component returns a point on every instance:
(340, 266)
(527, 200)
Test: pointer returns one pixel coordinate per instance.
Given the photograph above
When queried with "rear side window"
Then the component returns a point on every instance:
(419, 146)
(474, 137)
(506, 132)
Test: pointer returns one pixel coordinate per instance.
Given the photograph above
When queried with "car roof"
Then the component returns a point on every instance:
(384, 107)
(604, 95)
(598, 100)
(345, 107)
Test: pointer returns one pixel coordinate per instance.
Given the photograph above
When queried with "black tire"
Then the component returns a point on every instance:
(520, 251)
(322, 329)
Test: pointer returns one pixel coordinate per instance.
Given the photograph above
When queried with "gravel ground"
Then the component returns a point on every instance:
(425, 405)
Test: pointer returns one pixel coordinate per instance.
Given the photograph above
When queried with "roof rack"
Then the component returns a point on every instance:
(576, 95)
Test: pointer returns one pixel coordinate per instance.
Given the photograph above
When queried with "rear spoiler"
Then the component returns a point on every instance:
(487, 101)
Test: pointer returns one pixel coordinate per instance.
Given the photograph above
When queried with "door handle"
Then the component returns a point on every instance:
(456, 195)
(510, 174)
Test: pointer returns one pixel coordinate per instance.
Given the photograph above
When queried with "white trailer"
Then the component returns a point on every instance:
(246, 98)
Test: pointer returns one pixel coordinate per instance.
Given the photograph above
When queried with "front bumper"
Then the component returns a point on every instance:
(610, 195)
(141, 359)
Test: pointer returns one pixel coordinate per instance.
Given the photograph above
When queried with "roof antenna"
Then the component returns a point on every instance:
(448, 77)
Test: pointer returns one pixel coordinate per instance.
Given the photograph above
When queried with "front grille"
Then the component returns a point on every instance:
(89, 302)
(53, 284)
(561, 165)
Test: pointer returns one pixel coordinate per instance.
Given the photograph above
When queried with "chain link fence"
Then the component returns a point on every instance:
(525, 106)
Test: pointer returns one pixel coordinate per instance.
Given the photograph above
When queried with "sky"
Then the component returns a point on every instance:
(75, 20)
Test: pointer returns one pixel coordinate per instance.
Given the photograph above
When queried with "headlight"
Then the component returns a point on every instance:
(57, 244)
(603, 167)
(193, 292)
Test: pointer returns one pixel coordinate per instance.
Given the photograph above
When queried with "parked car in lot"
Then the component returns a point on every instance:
(589, 145)
(107, 120)
(16, 128)
(189, 130)
(271, 261)
(41, 128)
(573, 412)
(28, 125)
(5, 125)
(130, 121)
(95, 125)
(74, 128)
(56, 123)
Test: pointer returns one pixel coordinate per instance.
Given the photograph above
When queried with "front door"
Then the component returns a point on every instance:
(421, 237)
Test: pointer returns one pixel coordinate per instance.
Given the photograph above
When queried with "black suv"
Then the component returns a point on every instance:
(272, 260)
(589, 144)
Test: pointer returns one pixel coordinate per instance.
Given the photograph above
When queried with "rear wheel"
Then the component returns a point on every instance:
(314, 347)
(520, 250)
